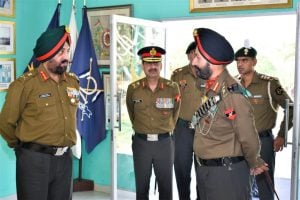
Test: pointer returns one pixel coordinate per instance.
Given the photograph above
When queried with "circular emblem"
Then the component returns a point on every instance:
(152, 52)
(106, 38)
(279, 91)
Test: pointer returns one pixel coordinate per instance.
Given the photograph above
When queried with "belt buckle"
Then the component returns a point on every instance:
(152, 137)
(226, 162)
(60, 151)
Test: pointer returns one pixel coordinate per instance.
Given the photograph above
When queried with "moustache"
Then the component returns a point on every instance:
(65, 61)
(154, 70)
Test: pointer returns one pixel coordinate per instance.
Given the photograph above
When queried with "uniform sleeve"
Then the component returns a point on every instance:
(279, 96)
(11, 113)
(244, 126)
(177, 102)
(129, 103)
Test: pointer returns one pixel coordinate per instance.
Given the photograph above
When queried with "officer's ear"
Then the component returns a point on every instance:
(254, 61)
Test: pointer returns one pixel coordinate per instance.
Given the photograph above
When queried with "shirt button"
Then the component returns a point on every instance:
(66, 117)
(47, 104)
(152, 119)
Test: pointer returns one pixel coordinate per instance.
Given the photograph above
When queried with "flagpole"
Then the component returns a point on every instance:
(113, 92)
(296, 123)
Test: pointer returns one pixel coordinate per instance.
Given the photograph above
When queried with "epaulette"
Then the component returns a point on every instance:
(177, 71)
(237, 88)
(170, 83)
(28, 75)
(72, 75)
(266, 78)
(135, 84)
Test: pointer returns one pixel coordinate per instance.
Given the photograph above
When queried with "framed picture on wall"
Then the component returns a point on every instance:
(7, 8)
(7, 72)
(7, 37)
(225, 5)
(99, 20)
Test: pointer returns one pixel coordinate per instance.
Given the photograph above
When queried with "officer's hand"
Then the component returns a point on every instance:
(259, 169)
(278, 143)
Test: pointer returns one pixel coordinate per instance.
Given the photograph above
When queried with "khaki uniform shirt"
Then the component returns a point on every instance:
(262, 102)
(39, 110)
(191, 90)
(153, 112)
(228, 128)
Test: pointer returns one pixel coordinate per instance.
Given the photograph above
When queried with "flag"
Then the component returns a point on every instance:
(91, 113)
(73, 32)
(76, 149)
(33, 63)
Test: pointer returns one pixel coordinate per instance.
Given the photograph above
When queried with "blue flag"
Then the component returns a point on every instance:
(33, 63)
(91, 113)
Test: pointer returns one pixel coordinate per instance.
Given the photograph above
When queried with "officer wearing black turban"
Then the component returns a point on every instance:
(226, 142)
(267, 96)
(38, 121)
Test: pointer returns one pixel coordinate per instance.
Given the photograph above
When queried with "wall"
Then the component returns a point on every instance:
(32, 18)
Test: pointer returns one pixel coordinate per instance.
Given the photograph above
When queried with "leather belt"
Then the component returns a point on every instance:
(219, 161)
(52, 150)
(152, 137)
(266, 133)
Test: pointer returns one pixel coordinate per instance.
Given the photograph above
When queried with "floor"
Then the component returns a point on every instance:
(282, 188)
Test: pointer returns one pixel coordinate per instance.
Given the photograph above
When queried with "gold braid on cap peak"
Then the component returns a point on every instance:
(152, 59)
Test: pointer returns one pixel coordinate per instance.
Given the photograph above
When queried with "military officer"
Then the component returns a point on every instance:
(38, 120)
(267, 95)
(226, 143)
(191, 89)
(153, 106)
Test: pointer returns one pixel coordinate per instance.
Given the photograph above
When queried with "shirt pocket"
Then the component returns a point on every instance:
(259, 100)
(46, 109)
(139, 106)
(164, 113)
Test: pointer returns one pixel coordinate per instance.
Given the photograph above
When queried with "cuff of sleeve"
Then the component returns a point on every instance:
(281, 134)
(256, 163)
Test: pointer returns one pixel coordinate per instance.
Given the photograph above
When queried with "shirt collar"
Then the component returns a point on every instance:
(160, 84)
(218, 82)
(44, 75)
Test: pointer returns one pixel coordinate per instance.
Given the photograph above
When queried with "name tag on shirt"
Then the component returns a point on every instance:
(46, 95)
(257, 96)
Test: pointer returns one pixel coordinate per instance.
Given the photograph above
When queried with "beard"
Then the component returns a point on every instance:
(204, 73)
(60, 69)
